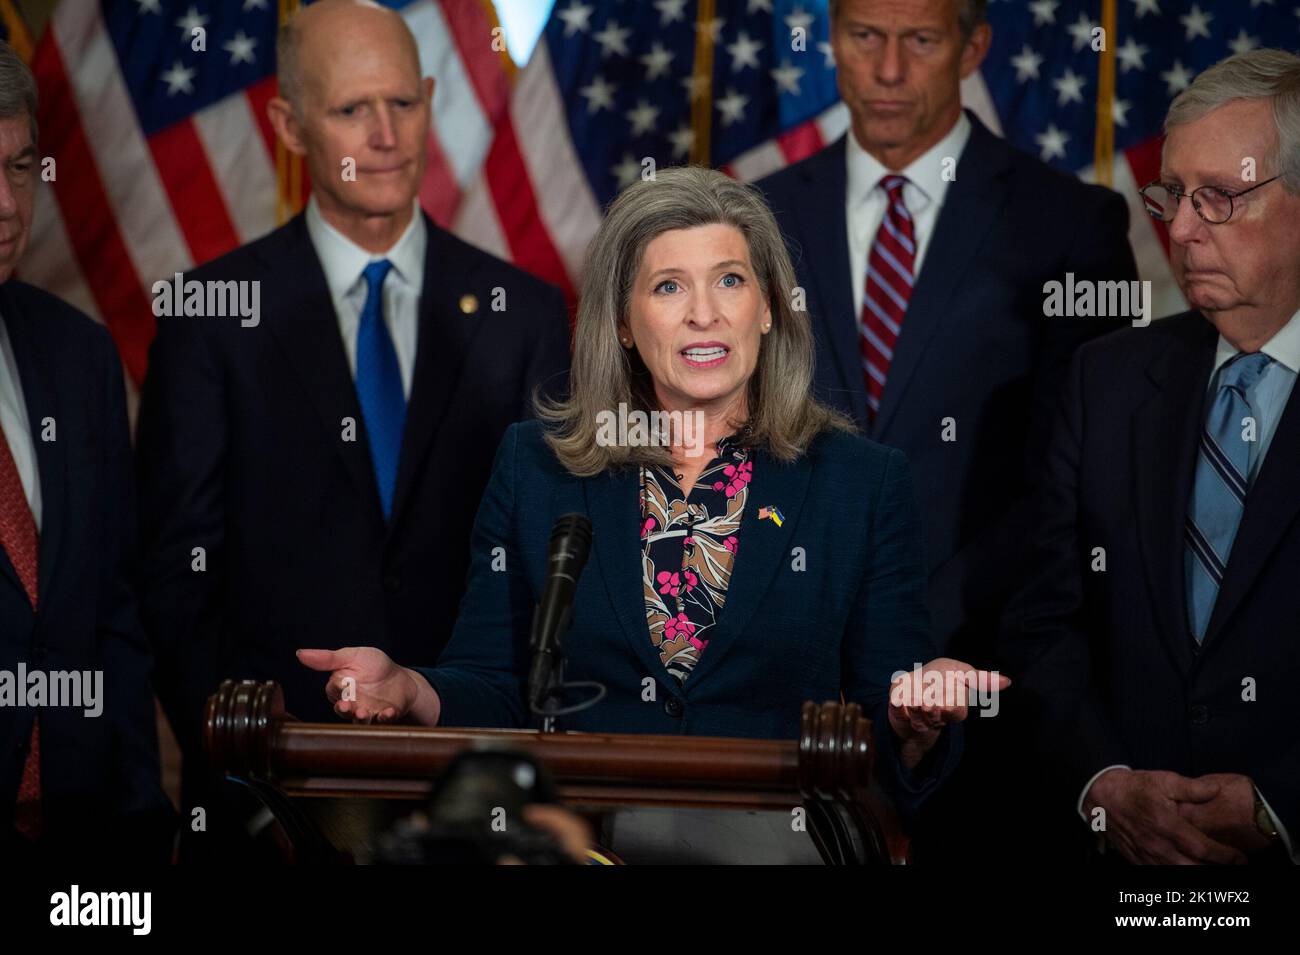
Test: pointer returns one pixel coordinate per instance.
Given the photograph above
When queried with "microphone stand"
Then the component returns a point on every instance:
(550, 691)
(569, 549)
(546, 676)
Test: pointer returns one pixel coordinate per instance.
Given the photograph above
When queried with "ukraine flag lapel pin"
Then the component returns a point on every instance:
(771, 514)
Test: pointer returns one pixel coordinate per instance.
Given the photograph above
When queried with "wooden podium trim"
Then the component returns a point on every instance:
(249, 735)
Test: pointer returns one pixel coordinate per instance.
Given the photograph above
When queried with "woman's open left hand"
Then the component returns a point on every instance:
(922, 702)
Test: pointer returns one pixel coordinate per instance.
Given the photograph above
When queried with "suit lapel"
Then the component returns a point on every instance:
(1272, 505)
(614, 507)
(761, 549)
(826, 252)
(306, 327)
(1166, 433)
(970, 208)
(446, 331)
(51, 462)
(613, 504)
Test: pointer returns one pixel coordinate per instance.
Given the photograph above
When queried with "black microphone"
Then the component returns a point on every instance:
(570, 547)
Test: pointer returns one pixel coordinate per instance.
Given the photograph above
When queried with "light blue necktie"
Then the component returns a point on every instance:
(379, 385)
(1219, 492)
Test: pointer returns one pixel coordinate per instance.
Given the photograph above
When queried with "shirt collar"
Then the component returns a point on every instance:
(8, 362)
(926, 172)
(1283, 347)
(343, 260)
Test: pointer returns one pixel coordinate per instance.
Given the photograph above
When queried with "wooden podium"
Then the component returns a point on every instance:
(827, 771)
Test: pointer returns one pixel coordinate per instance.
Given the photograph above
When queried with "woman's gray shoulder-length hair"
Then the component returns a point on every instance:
(784, 418)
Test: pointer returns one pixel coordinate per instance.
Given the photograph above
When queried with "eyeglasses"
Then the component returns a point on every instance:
(1211, 203)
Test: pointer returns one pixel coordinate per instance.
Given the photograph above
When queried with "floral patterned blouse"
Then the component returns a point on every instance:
(688, 546)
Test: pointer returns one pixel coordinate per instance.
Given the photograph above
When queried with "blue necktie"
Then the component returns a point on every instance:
(1219, 491)
(379, 385)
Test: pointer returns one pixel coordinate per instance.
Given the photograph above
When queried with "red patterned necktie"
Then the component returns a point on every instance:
(889, 286)
(18, 537)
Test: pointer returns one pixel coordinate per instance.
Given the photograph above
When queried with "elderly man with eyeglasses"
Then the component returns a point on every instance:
(1158, 639)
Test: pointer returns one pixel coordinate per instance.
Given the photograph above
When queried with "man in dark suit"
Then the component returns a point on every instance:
(923, 243)
(962, 360)
(1157, 637)
(310, 473)
(79, 772)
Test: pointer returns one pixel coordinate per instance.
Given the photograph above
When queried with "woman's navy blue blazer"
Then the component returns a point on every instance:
(830, 601)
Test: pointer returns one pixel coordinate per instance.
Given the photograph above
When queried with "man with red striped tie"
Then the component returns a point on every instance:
(923, 242)
(79, 772)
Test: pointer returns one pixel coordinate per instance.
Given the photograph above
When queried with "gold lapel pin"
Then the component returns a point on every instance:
(469, 304)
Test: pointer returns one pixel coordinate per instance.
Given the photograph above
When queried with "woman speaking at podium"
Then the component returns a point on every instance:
(749, 550)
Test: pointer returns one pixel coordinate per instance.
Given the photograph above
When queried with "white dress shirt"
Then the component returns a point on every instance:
(923, 195)
(343, 262)
(1268, 400)
(17, 430)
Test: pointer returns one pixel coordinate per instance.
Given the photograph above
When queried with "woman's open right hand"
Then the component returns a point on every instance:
(365, 684)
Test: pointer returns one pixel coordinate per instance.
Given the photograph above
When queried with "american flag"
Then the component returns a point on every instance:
(610, 85)
(165, 157)
(745, 85)
(1042, 77)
